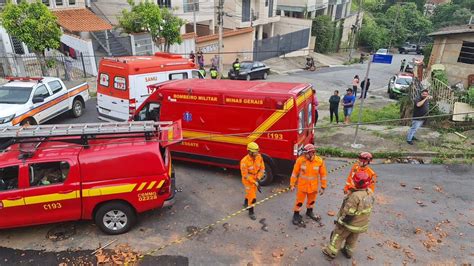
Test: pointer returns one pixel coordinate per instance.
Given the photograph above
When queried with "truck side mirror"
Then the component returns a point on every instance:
(38, 99)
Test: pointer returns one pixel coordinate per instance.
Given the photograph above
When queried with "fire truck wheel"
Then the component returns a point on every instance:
(77, 108)
(268, 176)
(115, 218)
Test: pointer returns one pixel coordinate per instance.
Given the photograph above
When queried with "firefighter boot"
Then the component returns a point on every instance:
(297, 219)
(329, 255)
(252, 214)
(346, 253)
(246, 203)
(310, 214)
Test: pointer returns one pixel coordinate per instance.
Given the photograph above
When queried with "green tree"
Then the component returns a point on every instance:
(35, 25)
(323, 28)
(450, 15)
(146, 16)
(373, 35)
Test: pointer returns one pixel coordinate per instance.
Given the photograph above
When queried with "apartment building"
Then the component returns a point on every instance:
(258, 14)
(302, 8)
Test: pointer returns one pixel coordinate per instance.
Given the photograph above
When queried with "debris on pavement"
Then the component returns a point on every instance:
(436, 238)
(331, 213)
(370, 257)
(61, 232)
(403, 184)
(122, 254)
(393, 244)
(418, 188)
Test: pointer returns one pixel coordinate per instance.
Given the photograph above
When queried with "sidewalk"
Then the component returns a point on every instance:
(285, 65)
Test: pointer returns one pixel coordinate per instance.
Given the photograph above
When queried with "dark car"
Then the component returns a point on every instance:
(250, 70)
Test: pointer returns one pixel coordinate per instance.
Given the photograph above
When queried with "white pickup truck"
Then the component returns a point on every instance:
(36, 100)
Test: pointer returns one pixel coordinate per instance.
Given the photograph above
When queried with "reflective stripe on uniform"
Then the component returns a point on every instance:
(354, 229)
(353, 211)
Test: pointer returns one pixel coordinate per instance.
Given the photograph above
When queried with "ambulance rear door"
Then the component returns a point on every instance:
(113, 97)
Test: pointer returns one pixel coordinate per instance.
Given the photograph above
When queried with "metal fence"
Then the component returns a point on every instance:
(280, 44)
(61, 66)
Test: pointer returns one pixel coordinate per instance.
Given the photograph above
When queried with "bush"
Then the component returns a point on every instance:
(323, 29)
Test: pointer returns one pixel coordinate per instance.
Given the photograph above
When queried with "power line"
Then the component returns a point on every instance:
(212, 136)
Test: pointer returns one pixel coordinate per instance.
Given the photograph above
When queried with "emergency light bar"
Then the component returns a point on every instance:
(39, 79)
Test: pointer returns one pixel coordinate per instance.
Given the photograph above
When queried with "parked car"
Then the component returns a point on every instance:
(398, 85)
(382, 51)
(37, 100)
(250, 70)
(410, 48)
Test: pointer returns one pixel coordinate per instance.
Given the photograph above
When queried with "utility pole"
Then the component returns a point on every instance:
(194, 17)
(354, 32)
(355, 145)
(220, 21)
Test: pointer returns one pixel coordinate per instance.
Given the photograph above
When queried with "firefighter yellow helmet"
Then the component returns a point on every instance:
(252, 147)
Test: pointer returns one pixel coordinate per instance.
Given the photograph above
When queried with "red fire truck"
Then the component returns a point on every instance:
(105, 172)
(220, 117)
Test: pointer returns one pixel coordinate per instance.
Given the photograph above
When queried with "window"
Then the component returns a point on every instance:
(300, 121)
(120, 83)
(191, 5)
(466, 55)
(3, 2)
(44, 174)
(150, 112)
(59, 2)
(55, 86)
(45, 2)
(72, 2)
(104, 79)
(9, 178)
(175, 76)
(270, 8)
(17, 46)
(41, 91)
(310, 113)
(164, 3)
(266, 3)
(245, 10)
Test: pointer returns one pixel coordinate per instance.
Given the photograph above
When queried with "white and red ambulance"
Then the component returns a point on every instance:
(124, 82)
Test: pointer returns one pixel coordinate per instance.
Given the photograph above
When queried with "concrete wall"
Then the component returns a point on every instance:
(446, 51)
(240, 46)
(84, 47)
(348, 22)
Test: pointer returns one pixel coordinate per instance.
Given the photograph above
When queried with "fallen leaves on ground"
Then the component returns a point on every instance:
(434, 239)
(278, 254)
(331, 213)
(471, 223)
(121, 254)
(439, 189)
(418, 188)
(403, 184)
(370, 257)
(393, 244)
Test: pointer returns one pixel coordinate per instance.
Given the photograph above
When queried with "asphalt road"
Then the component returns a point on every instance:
(412, 203)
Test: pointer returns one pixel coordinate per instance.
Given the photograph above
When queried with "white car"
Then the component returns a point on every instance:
(382, 51)
(37, 100)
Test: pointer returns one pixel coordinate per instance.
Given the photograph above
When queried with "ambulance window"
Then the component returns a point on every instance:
(310, 113)
(44, 174)
(301, 121)
(8, 178)
(104, 80)
(120, 83)
(175, 76)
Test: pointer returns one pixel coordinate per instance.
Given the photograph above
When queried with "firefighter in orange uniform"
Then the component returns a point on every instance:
(308, 168)
(363, 165)
(252, 168)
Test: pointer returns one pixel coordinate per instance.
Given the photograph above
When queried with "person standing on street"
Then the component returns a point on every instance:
(192, 56)
(355, 84)
(420, 110)
(252, 169)
(315, 106)
(306, 172)
(352, 219)
(200, 58)
(214, 73)
(364, 89)
(402, 65)
(362, 165)
(334, 106)
(348, 103)
(236, 66)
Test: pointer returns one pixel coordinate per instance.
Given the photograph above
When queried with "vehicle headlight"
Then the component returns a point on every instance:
(6, 119)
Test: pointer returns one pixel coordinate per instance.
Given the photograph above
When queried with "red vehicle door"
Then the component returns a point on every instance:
(12, 203)
(53, 194)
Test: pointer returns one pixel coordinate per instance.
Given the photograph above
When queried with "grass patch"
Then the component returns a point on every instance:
(391, 111)
(338, 152)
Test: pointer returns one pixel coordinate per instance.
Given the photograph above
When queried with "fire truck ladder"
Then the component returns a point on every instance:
(84, 131)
